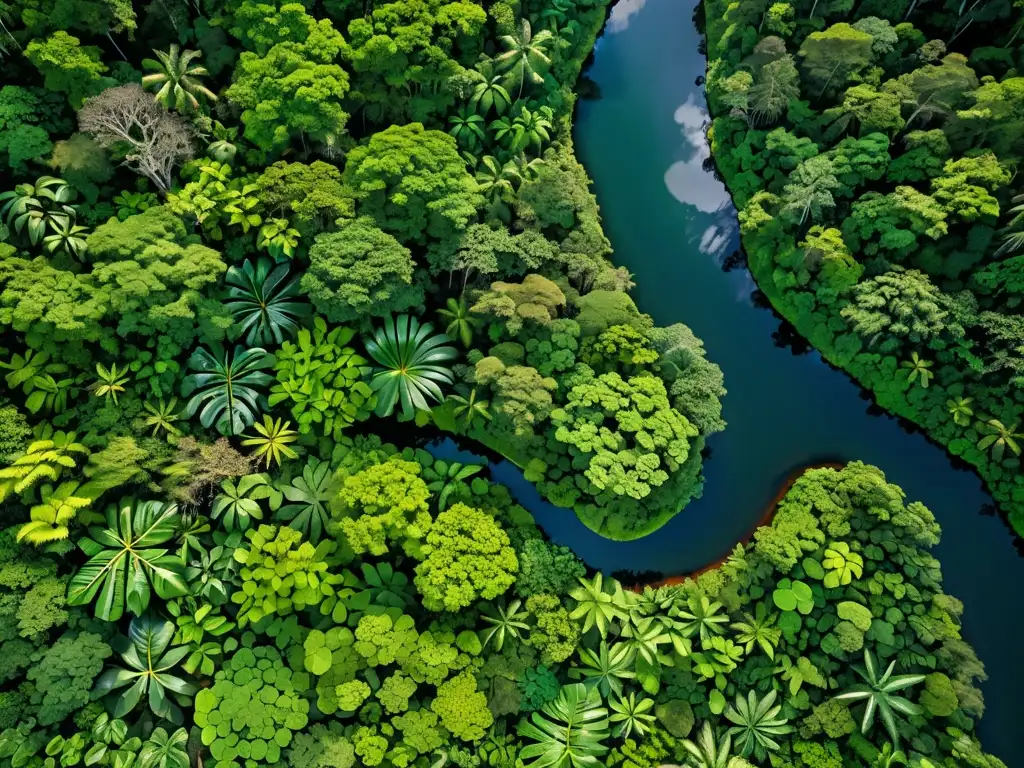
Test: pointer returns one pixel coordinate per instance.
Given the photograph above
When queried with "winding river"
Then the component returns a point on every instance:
(641, 138)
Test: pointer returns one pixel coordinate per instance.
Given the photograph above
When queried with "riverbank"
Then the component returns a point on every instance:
(766, 519)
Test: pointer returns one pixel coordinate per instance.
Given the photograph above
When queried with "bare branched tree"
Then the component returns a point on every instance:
(155, 140)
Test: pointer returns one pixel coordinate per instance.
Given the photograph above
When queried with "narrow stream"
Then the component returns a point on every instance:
(672, 225)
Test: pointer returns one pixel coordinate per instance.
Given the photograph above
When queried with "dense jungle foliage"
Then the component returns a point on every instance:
(393, 180)
(241, 241)
(872, 149)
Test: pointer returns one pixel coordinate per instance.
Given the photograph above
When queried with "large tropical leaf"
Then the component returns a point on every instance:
(126, 563)
(409, 365)
(148, 669)
(227, 389)
(309, 494)
(263, 301)
(569, 731)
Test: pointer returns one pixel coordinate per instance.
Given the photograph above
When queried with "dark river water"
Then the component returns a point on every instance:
(641, 138)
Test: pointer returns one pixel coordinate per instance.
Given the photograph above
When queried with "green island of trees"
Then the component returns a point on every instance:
(872, 150)
(246, 244)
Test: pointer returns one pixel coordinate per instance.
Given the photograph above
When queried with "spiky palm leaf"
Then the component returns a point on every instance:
(879, 694)
(607, 668)
(177, 79)
(755, 722)
(505, 621)
(409, 370)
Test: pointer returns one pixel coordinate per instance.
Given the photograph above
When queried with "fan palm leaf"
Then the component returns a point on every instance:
(409, 365)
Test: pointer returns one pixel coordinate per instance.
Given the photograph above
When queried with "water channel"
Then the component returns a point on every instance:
(672, 224)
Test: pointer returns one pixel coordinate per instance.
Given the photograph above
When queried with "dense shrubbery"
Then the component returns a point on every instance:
(872, 151)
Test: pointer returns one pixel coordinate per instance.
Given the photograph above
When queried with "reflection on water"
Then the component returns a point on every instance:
(621, 13)
(686, 179)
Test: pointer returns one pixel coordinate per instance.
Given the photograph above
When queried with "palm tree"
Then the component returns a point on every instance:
(879, 694)
(711, 752)
(505, 620)
(632, 714)
(489, 92)
(67, 237)
(162, 416)
(177, 79)
(272, 440)
(497, 182)
(525, 54)
(596, 607)
(759, 629)
(527, 166)
(703, 617)
(999, 437)
(606, 668)
(110, 381)
(37, 206)
(534, 127)
(408, 371)
(468, 407)
(917, 366)
(468, 128)
(460, 322)
(755, 722)
(960, 409)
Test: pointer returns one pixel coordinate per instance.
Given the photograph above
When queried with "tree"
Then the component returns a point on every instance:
(878, 692)
(289, 86)
(413, 182)
(154, 274)
(262, 303)
(381, 503)
(934, 90)
(408, 58)
(126, 562)
(227, 386)
(535, 299)
(177, 79)
(775, 86)
(67, 66)
(809, 191)
(900, 307)
(462, 708)
(834, 55)
(359, 272)
(617, 460)
(150, 663)
(866, 110)
(466, 557)
(489, 93)
(311, 196)
(21, 136)
(156, 141)
(996, 118)
(999, 437)
(525, 55)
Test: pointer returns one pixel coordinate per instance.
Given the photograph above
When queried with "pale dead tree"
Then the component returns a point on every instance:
(154, 140)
